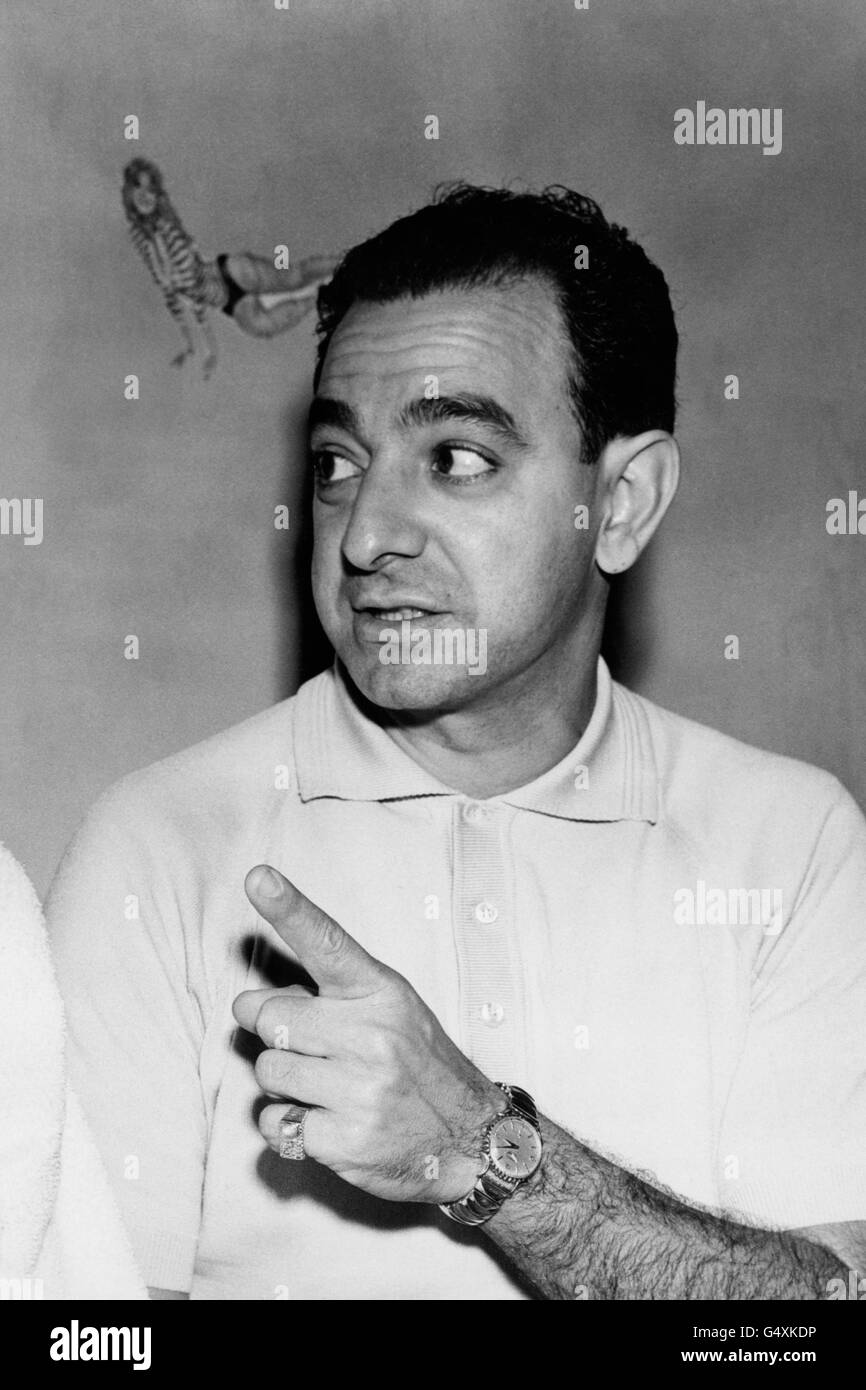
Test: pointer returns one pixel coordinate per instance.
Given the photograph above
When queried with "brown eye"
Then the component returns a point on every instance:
(330, 467)
(462, 462)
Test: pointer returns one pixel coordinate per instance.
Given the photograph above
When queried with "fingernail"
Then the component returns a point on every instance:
(268, 883)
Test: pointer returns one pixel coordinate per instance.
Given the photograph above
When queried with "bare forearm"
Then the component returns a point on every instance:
(584, 1228)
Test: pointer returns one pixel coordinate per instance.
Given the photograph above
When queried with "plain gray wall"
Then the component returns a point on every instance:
(307, 127)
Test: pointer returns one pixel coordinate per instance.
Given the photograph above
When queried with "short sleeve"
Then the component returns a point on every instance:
(792, 1149)
(134, 1030)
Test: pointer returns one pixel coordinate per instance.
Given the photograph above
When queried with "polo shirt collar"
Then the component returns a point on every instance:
(609, 775)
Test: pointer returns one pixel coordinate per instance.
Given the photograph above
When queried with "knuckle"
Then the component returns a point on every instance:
(380, 1048)
(332, 937)
(356, 1137)
(368, 1100)
(403, 998)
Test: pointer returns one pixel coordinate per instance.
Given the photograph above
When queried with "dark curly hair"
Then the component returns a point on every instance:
(617, 309)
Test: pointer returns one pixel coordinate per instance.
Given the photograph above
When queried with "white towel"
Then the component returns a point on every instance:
(60, 1232)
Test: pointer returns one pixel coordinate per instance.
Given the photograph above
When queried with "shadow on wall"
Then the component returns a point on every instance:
(628, 629)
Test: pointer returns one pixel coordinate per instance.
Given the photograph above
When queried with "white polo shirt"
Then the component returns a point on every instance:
(661, 939)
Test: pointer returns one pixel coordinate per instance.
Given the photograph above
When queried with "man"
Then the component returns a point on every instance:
(494, 864)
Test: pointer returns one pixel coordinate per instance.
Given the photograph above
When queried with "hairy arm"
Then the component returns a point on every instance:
(392, 1089)
(582, 1227)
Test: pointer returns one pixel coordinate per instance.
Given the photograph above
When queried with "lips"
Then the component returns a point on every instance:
(397, 615)
(371, 618)
(395, 609)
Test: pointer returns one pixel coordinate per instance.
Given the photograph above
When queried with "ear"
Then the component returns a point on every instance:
(638, 477)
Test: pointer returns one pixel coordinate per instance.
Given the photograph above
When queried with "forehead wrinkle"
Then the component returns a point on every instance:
(421, 339)
(377, 344)
(345, 350)
(449, 328)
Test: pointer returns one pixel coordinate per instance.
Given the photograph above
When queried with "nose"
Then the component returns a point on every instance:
(384, 522)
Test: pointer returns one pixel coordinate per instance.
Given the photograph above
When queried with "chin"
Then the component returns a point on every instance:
(431, 689)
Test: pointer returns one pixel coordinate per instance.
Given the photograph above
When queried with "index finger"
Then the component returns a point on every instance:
(337, 962)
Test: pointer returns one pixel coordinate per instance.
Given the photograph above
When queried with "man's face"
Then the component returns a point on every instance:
(452, 512)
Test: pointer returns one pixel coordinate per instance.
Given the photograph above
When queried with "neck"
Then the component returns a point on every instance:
(505, 741)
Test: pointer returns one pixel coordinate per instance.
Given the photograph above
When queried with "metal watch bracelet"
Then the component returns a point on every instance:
(489, 1192)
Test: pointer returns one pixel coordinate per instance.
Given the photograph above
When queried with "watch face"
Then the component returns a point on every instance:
(515, 1147)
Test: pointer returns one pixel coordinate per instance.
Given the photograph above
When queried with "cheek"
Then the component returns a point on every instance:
(325, 563)
(532, 567)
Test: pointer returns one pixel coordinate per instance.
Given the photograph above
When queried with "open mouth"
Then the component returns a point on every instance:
(370, 620)
(399, 610)
(397, 615)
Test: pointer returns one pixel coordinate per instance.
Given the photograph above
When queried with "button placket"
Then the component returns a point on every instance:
(488, 966)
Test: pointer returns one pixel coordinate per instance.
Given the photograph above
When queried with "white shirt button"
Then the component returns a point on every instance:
(486, 912)
(473, 813)
(492, 1014)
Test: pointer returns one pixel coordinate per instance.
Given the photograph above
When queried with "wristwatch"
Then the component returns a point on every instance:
(511, 1152)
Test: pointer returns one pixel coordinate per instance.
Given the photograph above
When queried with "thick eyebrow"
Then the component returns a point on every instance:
(465, 406)
(474, 410)
(325, 411)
